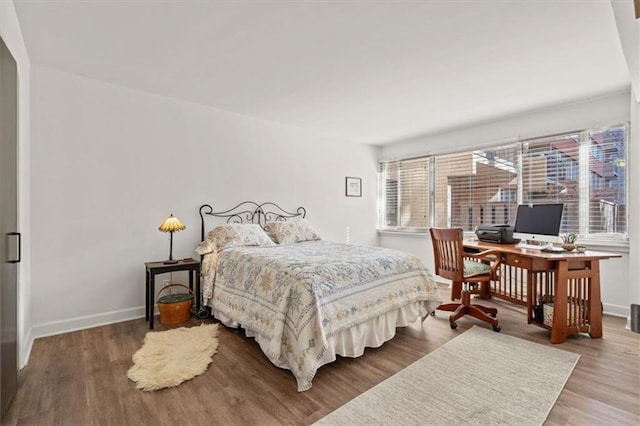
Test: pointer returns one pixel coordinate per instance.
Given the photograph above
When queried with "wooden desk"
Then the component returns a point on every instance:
(570, 280)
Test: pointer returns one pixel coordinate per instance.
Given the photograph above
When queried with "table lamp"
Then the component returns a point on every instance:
(171, 224)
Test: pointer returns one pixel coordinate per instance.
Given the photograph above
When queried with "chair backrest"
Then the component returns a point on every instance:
(447, 252)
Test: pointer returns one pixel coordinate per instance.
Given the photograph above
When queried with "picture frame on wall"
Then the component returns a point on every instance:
(353, 187)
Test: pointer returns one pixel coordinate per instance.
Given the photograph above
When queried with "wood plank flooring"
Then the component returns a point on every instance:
(80, 378)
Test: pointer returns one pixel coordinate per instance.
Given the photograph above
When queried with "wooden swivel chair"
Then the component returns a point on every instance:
(474, 270)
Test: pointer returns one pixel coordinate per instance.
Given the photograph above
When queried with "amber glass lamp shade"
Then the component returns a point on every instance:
(171, 224)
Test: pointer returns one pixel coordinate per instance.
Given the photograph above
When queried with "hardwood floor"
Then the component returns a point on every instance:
(80, 378)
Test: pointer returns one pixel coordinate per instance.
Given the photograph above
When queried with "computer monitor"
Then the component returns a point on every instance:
(538, 223)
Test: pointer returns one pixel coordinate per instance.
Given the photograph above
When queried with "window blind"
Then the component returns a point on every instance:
(550, 174)
(607, 213)
(405, 188)
(585, 170)
(476, 187)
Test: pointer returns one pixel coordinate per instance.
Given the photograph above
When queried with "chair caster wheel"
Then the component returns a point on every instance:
(453, 325)
(433, 313)
(496, 328)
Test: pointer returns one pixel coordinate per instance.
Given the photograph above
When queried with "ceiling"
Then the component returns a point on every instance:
(365, 71)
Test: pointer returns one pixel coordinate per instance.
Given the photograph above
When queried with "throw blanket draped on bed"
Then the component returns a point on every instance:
(298, 295)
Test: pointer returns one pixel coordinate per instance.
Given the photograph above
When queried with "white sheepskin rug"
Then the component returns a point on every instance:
(168, 358)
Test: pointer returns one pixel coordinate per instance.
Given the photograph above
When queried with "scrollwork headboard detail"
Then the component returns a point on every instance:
(249, 212)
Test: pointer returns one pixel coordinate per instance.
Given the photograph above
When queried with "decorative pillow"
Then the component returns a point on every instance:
(204, 248)
(291, 231)
(236, 234)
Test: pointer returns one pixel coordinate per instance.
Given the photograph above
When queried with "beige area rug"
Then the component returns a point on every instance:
(480, 378)
(168, 358)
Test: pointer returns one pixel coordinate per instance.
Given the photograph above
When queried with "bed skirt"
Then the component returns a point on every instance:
(352, 341)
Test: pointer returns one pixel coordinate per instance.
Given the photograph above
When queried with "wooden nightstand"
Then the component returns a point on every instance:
(155, 268)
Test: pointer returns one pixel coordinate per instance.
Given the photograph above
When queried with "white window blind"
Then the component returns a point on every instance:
(586, 172)
(405, 188)
(476, 187)
(607, 170)
(550, 174)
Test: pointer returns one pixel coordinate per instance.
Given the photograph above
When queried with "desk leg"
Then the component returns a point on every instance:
(146, 295)
(595, 303)
(559, 326)
(152, 292)
(532, 295)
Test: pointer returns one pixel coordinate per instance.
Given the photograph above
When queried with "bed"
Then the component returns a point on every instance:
(306, 300)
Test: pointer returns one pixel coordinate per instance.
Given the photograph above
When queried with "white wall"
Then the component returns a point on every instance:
(110, 163)
(615, 280)
(12, 36)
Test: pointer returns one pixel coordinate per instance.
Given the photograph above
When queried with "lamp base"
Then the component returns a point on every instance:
(170, 262)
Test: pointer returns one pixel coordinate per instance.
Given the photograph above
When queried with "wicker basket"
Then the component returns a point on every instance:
(175, 308)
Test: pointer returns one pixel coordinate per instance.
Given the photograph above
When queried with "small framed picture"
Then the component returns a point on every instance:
(354, 187)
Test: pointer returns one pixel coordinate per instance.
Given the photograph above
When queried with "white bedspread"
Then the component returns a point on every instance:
(298, 296)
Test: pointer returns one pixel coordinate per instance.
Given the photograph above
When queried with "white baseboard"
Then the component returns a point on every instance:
(89, 321)
(616, 310)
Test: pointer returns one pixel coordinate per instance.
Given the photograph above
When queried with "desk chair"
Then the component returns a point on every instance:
(473, 270)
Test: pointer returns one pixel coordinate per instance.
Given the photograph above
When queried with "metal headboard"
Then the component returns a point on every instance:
(249, 212)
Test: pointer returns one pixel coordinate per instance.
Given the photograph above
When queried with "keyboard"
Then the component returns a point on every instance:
(540, 247)
(553, 250)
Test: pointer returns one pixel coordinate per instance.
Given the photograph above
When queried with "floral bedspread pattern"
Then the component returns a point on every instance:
(298, 295)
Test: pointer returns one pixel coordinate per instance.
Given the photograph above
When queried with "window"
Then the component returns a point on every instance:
(547, 176)
(583, 170)
(474, 187)
(405, 194)
(607, 213)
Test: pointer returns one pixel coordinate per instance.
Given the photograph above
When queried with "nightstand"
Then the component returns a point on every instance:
(155, 268)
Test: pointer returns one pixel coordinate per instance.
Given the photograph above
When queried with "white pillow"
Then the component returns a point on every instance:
(291, 231)
(237, 234)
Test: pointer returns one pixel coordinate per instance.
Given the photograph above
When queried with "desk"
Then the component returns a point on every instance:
(570, 280)
(154, 268)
